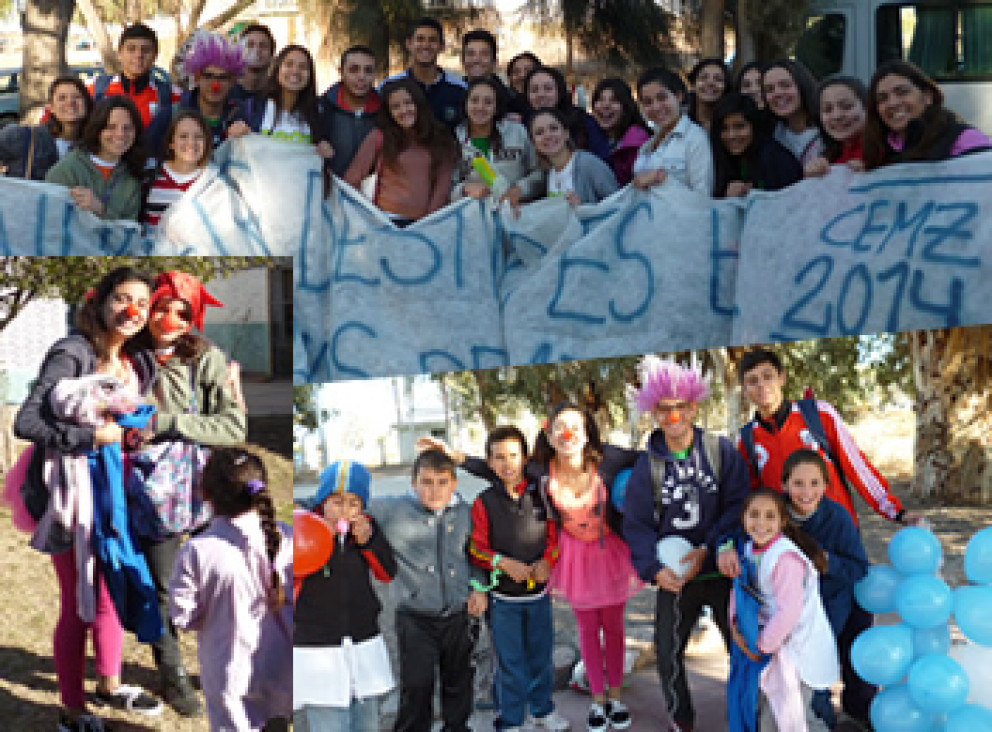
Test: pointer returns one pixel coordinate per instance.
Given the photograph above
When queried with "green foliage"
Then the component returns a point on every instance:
(305, 406)
(620, 31)
(23, 279)
(851, 373)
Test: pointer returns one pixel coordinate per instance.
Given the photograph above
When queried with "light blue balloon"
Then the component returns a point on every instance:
(973, 612)
(978, 557)
(937, 684)
(893, 710)
(924, 601)
(876, 591)
(969, 718)
(618, 491)
(915, 550)
(882, 655)
(931, 640)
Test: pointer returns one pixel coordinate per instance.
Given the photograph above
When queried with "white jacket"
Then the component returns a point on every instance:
(516, 161)
(685, 155)
(811, 647)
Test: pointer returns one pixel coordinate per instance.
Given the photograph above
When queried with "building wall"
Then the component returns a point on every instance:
(241, 327)
(24, 343)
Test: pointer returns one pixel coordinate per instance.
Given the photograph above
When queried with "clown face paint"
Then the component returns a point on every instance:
(568, 433)
(169, 320)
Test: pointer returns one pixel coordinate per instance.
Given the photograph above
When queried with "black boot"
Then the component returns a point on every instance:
(179, 693)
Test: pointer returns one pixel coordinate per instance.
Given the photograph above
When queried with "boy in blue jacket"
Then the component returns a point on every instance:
(692, 484)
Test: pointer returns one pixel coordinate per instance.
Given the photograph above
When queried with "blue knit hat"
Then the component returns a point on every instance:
(343, 476)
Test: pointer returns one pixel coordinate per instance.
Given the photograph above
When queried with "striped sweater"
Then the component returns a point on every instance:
(168, 188)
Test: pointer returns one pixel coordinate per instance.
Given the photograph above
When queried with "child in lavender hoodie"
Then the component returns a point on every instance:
(230, 585)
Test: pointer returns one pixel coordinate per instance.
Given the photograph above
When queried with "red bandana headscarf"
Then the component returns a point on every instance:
(183, 286)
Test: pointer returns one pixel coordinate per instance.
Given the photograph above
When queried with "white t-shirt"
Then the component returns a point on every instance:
(289, 127)
(562, 182)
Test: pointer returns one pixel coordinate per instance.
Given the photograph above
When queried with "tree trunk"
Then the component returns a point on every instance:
(569, 52)
(132, 11)
(486, 411)
(711, 36)
(745, 37)
(953, 452)
(45, 24)
(98, 29)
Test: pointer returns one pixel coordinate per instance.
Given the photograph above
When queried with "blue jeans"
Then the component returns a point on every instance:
(361, 716)
(523, 638)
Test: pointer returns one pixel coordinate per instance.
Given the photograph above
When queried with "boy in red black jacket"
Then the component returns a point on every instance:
(514, 537)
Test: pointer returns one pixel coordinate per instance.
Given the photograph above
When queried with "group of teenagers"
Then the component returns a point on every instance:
(156, 518)
(773, 548)
(130, 145)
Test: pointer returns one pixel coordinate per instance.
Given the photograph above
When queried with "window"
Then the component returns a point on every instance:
(948, 40)
(821, 46)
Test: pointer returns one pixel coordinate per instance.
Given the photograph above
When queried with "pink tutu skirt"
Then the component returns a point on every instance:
(11, 495)
(590, 574)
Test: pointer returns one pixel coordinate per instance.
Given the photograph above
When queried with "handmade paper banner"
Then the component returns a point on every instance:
(476, 287)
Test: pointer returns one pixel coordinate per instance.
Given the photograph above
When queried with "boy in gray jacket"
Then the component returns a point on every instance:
(429, 530)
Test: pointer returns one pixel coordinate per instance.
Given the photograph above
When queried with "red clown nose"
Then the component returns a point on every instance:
(673, 417)
(132, 311)
(567, 433)
(173, 322)
(215, 87)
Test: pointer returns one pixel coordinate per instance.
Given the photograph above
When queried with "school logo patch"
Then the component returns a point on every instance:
(761, 453)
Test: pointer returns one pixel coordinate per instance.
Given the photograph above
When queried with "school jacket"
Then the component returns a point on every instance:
(348, 128)
(786, 432)
(832, 528)
(516, 161)
(338, 600)
(431, 550)
(592, 179)
(694, 504)
(69, 357)
(15, 142)
(218, 419)
(121, 194)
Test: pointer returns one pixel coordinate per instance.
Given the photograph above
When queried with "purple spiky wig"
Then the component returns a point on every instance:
(666, 379)
(212, 49)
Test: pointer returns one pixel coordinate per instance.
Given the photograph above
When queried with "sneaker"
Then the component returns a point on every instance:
(597, 721)
(179, 693)
(552, 721)
(131, 699)
(618, 714)
(82, 723)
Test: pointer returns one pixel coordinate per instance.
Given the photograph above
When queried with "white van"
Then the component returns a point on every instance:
(950, 40)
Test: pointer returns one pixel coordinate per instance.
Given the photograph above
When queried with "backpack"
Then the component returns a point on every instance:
(711, 448)
(158, 78)
(811, 416)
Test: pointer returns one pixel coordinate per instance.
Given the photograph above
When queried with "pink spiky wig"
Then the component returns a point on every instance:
(666, 379)
(212, 49)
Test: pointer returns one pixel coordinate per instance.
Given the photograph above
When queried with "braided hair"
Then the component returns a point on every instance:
(234, 483)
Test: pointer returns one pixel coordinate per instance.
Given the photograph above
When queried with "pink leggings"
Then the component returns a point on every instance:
(70, 634)
(610, 621)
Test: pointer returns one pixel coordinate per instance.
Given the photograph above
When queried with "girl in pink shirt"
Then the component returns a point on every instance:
(794, 627)
(411, 154)
(230, 585)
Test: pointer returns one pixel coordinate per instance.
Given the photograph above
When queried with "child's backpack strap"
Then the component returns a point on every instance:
(811, 416)
(711, 448)
(747, 440)
(100, 85)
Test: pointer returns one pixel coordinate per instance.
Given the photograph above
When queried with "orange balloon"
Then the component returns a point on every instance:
(312, 543)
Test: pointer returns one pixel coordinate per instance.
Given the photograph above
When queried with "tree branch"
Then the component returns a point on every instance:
(217, 21)
(98, 29)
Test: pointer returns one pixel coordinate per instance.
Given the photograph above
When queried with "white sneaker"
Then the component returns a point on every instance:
(597, 720)
(553, 721)
(618, 714)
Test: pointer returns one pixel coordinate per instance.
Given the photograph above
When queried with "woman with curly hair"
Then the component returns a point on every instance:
(410, 152)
